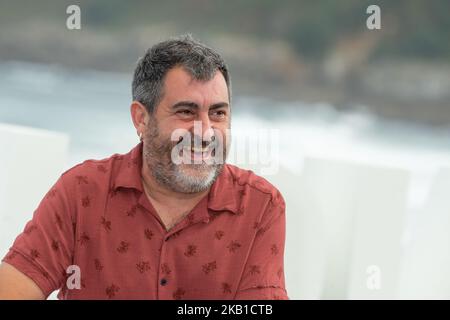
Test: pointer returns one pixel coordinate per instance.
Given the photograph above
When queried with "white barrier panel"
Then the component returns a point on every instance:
(425, 270)
(304, 254)
(360, 210)
(31, 161)
(344, 228)
(326, 197)
(379, 221)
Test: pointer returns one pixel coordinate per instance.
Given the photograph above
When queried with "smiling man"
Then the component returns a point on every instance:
(168, 220)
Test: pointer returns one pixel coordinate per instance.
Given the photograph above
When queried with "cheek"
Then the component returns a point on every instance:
(173, 132)
(223, 135)
(160, 141)
(165, 134)
(223, 131)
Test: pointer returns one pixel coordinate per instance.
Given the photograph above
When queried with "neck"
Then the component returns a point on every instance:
(162, 194)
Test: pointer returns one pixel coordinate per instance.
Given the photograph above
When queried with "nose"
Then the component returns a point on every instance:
(207, 130)
(206, 123)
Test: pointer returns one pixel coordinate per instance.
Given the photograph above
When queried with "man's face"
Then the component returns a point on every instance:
(194, 115)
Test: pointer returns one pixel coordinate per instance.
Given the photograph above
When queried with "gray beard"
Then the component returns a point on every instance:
(176, 178)
(183, 178)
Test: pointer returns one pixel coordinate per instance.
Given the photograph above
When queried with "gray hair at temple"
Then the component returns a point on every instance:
(200, 61)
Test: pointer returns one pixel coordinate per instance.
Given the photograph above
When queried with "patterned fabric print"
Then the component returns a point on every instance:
(97, 217)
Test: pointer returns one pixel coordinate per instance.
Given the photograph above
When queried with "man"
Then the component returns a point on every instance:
(168, 220)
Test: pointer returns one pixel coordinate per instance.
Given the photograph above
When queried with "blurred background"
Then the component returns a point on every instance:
(360, 119)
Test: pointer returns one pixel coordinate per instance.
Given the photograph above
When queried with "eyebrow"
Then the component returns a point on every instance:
(193, 105)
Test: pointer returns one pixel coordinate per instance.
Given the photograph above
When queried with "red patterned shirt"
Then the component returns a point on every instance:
(97, 217)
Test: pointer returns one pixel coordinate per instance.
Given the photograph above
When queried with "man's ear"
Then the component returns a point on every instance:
(139, 115)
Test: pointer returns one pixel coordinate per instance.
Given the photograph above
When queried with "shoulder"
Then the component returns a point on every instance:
(255, 183)
(92, 167)
(91, 173)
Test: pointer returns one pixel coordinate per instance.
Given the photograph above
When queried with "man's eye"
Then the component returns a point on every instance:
(219, 113)
(185, 112)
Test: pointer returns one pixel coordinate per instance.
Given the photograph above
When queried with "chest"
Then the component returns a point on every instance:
(201, 261)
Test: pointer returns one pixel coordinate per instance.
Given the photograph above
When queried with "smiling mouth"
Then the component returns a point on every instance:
(197, 151)
(201, 153)
(200, 150)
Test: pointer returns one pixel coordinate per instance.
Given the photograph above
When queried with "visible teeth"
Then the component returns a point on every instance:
(199, 149)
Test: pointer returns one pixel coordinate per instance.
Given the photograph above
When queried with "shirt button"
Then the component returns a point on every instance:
(163, 282)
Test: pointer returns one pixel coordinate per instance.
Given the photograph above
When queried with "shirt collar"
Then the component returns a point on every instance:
(223, 195)
(129, 170)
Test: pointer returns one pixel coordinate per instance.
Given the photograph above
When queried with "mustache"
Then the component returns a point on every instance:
(161, 151)
(187, 141)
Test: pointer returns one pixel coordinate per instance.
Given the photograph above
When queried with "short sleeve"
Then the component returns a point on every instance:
(44, 250)
(263, 276)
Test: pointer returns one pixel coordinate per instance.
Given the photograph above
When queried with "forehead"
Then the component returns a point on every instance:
(180, 85)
